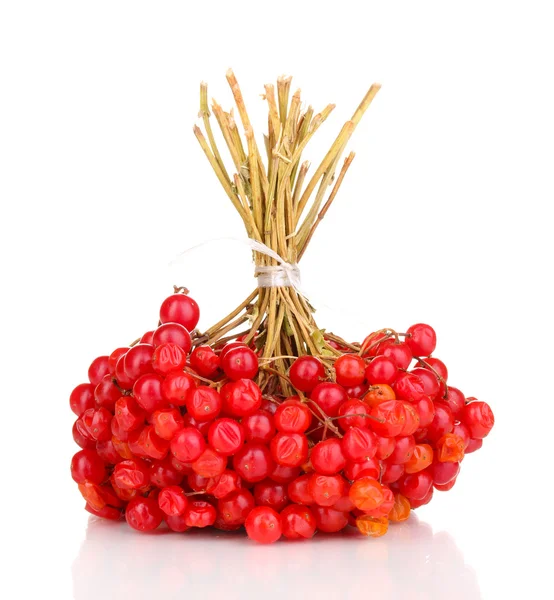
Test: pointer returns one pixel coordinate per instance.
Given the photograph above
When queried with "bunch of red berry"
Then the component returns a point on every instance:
(175, 431)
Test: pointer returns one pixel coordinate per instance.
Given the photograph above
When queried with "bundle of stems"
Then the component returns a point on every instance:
(281, 207)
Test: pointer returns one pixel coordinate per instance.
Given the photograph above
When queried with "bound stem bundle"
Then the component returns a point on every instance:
(281, 205)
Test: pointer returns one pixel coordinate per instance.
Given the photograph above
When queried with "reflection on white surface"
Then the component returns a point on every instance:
(409, 562)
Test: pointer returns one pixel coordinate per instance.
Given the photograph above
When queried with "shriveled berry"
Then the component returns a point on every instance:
(188, 445)
(199, 513)
(235, 507)
(366, 493)
(203, 403)
(359, 444)
(372, 526)
(450, 448)
(327, 457)
(167, 358)
(298, 522)
(226, 436)
(478, 418)
(292, 416)
(326, 490)
(289, 449)
(172, 500)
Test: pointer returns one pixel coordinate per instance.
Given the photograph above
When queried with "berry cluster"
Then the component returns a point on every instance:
(175, 431)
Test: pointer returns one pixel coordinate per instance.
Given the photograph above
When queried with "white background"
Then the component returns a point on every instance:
(444, 218)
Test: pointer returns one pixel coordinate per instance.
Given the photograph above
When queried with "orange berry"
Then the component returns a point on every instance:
(450, 448)
(366, 493)
(91, 493)
(378, 393)
(372, 526)
(421, 458)
(400, 510)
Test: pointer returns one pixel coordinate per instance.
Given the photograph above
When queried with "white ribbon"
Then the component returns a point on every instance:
(284, 274)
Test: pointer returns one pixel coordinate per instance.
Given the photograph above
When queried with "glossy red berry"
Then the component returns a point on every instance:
(298, 522)
(327, 457)
(253, 462)
(240, 363)
(164, 473)
(152, 444)
(172, 333)
(223, 485)
(381, 370)
(172, 500)
(235, 507)
(367, 468)
(241, 398)
(182, 309)
(98, 423)
(399, 353)
(263, 525)
(167, 358)
(350, 370)
(455, 400)
(293, 416)
(328, 519)
(204, 361)
(106, 393)
(176, 386)
(443, 422)
(114, 357)
(187, 445)
(86, 465)
(226, 436)
(306, 372)
(203, 403)
(444, 472)
(282, 474)
(421, 339)
(98, 369)
(410, 387)
(299, 490)
(473, 446)
(147, 391)
(167, 422)
(354, 413)
(329, 397)
(388, 418)
(272, 494)
(199, 513)
(415, 486)
(131, 474)
(138, 361)
(326, 490)
(129, 414)
(289, 449)
(259, 427)
(359, 444)
(478, 418)
(143, 514)
(82, 398)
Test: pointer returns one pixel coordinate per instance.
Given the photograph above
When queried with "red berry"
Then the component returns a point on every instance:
(241, 398)
(138, 361)
(81, 436)
(167, 358)
(204, 361)
(209, 464)
(385, 447)
(172, 500)
(444, 472)
(415, 486)
(403, 450)
(410, 387)
(298, 522)
(108, 512)
(143, 514)
(298, 490)
(114, 357)
(326, 490)
(98, 369)
(354, 413)
(106, 393)
(147, 391)
(368, 468)
(223, 485)
(177, 523)
(421, 339)
(164, 473)
(240, 363)
(329, 397)
(391, 472)
(203, 403)
(123, 380)
(108, 452)
(253, 462)
(129, 414)
(176, 386)
(350, 370)
(131, 474)
(455, 400)
(289, 449)
(98, 423)
(443, 422)
(292, 416)
(152, 445)
(234, 508)
(426, 411)
(282, 474)
(86, 465)
(329, 520)
(388, 418)
(226, 436)
(473, 446)
(263, 525)
(381, 370)
(259, 427)
(188, 445)
(167, 422)
(172, 333)
(269, 493)
(82, 398)
(478, 418)
(306, 372)
(327, 457)
(199, 513)
(179, 308)
(399, 353)
(432, 387)
(358, 444)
